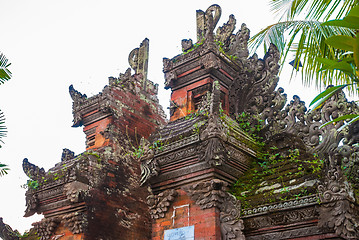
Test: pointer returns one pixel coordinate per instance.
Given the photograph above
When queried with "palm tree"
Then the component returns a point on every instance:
(5, 75)
(300, 36)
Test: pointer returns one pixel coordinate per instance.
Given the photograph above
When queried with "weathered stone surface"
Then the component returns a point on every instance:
(207, 145)
(6, 232)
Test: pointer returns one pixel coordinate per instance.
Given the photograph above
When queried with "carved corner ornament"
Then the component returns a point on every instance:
(74, 191)
(159, 204)
(6, 232)
(32, 204)
(213, 193)
(32, 171)
(46, 227)
(138, 59)
(338, 210)
(149, 165)
(76, 222)
(212, 149)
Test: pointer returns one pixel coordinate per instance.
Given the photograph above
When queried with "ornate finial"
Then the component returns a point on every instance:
(76, 95)
(138, 59)
(224, 33)
(207, 21)
(31, 170)
(67, 154)
(186, 44)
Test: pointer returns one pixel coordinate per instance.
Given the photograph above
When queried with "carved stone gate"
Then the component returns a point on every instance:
(233, 162)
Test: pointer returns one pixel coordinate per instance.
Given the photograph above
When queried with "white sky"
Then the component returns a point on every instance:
(53, 44)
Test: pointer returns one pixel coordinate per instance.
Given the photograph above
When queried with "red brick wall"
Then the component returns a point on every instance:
(183, 99)
(184, 212)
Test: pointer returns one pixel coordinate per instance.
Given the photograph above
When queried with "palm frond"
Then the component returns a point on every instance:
(312, 9)
(5, 73)
(3, 169)
(306, 42)
(3, 130)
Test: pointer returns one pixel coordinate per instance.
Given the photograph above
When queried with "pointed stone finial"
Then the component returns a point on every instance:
(207, 21)
(138, 59)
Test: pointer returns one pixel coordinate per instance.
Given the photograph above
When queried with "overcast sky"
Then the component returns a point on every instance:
(53, 44)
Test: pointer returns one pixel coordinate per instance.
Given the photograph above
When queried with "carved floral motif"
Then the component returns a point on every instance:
(159, 204)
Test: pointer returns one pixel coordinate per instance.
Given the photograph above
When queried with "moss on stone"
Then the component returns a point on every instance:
(278, 176)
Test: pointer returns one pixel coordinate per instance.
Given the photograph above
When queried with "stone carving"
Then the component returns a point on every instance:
(270, 217)
(177, 155)
(213, 152)
(206, 22)
(167, 64)
(337, 210)
(78, 100)
(238, 43)
(159, 204)
(224, 33)
(214, 193)
(258, 85)
(288, 234)
(170, 77)
(75, 190)
(138, 59)
(186, 44)
(231, 44)
(76, 222)
(212, 149)
(149, 166)
(31, 205)
(6, 232)
(46, 227)
(300, 202)
(31, 170)
(67, 154)
(210, 61)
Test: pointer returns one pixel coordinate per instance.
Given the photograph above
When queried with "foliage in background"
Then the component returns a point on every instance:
(300, 36)
(349, 65)
(5, 75)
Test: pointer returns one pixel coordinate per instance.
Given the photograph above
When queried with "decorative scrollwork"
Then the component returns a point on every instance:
(159, 204)
(31, 170)
(337, 210)
(214, 193)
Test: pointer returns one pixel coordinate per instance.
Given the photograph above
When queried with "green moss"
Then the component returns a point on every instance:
(277, 177)
(195, 46)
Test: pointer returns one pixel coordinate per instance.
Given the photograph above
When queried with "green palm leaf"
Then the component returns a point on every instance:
(3, 169)
(312, 9)
(2, 127)
(306, 42)
(5, 73)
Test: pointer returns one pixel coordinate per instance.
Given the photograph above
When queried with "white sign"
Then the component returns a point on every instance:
(184, 233)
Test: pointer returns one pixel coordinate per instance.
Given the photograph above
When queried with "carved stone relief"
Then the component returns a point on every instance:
(214, 193)
(338, 210)
(75, 190)
(76, 222)
(46, 227)
(159, 204)
(6, 232)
